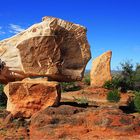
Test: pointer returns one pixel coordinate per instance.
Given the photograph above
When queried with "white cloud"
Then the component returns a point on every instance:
(15, 28)
(1, 32)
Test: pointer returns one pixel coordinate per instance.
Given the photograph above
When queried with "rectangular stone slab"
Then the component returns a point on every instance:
(29, 96)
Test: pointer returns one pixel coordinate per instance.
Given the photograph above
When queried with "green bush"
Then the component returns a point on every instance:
(125, 80)
(108, 85)
(1, 88)
(87, 79)
(113, 96)
(137, 102)
(113, 84)
(3, 98)
(69, 86)
(128, 74)
(137, 73)
(117, 83)
(82, 100)
(137, 78)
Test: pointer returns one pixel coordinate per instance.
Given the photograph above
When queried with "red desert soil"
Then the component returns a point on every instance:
(95, 96)
(70, 121)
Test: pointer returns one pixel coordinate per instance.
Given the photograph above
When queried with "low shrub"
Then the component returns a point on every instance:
(127, 76)
(113, 84)
(69, 86)
(108, 85)
(119, 83)
(83, 100)
(137, 78)
(126, 79)
(137, 101)
(113, 96)
(87, 79)
(3, 97)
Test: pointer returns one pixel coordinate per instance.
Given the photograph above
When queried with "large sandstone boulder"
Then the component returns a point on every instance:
(29, 96)
(101, 71)
(54, 48)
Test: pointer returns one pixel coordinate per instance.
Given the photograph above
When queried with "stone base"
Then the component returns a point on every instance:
(31, 95)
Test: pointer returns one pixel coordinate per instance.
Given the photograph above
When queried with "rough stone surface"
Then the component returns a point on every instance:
(54, 48)
(67, 122)
(71, 123)
(29, 96)
(101, 71)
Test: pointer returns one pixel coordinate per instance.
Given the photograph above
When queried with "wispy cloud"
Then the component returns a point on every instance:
(15, 28)
(1, 31)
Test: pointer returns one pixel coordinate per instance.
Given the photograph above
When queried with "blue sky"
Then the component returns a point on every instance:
(112, 24)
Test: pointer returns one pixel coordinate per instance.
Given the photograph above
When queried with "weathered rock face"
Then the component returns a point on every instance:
(54, 48)
(71, 123)
(29, 96)
(101, 71)
(67, 122)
